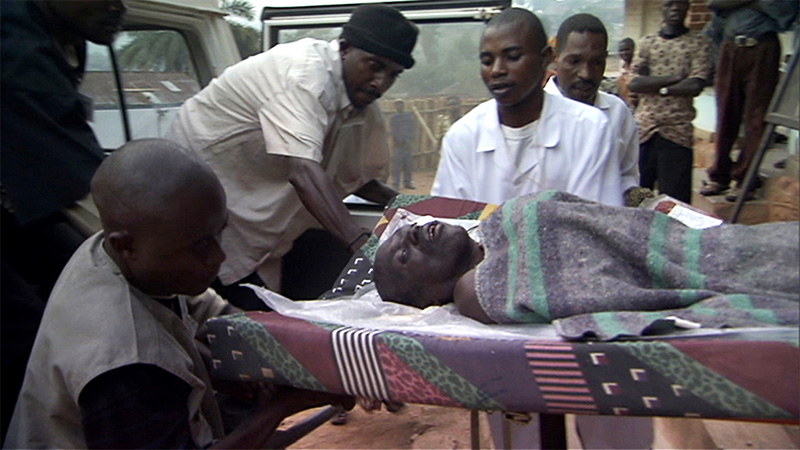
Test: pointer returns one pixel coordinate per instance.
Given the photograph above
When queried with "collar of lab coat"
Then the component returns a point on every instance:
(548, 132)
(345, 106)
(600, 99)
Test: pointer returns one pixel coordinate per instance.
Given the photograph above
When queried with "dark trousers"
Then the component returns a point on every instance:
(746, 80)
(669, 164)
(240, 296)
(32, 257)
(403, 163)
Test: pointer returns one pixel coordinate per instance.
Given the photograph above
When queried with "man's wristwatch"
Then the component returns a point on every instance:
(664, 91)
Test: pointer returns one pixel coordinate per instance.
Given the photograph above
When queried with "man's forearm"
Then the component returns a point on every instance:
(318, 195)
(688, 87)
(644, 84)
(258, 431)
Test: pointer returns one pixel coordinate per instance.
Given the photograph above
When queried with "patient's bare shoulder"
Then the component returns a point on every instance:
(465, 297)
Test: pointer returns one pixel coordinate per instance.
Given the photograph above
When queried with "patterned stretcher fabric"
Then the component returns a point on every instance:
(745, 374)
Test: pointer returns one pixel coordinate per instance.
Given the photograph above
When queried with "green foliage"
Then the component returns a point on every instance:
(447, 62)
(248, 39)
(155, 51)
(239, 8)
(553, 12)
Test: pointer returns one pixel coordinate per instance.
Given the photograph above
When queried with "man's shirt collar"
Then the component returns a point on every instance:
(345, 106)
(494, 139)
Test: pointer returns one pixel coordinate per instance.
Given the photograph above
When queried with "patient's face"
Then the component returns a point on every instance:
(428, 259)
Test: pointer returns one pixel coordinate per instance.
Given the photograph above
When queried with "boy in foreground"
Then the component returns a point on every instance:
(116, 363)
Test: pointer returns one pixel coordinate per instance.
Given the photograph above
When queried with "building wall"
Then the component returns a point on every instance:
(699, 15)
(643, 17)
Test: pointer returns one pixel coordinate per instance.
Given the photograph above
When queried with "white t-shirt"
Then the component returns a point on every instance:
(289, 101)
(623, 129)
(569, 149)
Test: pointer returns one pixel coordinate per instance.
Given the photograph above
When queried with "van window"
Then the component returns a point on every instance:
(157, 74)
(100, 86)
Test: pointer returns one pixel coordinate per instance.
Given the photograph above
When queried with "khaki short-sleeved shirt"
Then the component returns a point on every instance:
(95, 322)
(290, 101)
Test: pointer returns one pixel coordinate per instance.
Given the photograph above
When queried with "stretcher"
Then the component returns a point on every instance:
(744, 374)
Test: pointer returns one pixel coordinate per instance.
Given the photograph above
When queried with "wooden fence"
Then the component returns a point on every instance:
(434, 116)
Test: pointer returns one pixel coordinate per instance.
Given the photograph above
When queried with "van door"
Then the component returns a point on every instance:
(168, 50)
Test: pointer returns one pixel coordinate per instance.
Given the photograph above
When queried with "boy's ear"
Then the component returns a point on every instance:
(122, 243)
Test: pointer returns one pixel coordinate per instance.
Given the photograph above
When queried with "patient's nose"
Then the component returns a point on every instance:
(413, 234)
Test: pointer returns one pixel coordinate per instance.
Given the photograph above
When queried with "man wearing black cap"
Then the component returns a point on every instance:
(291, 132)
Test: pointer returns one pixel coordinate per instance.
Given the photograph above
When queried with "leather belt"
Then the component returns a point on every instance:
(744, 41)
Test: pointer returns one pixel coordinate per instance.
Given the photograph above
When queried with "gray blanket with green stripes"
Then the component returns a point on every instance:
(601, 271)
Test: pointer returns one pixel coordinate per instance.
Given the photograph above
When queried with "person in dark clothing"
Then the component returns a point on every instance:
(404, 133)
(626, 49)
(48, 154)
(746, 77)
(669, 69)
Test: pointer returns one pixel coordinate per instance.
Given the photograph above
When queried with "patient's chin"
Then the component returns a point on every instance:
(430, 302)
(415, 302)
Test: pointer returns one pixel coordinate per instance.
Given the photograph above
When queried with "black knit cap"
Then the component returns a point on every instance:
(384, 31)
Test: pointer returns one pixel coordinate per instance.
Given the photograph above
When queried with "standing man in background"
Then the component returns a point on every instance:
(669, 70)
(747, 74)
(626, 49)
(581, 55)
(404, 134)
(291, 132)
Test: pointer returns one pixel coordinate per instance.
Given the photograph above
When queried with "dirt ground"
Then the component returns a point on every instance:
(432, 427)
(423, 180)
(413, 427)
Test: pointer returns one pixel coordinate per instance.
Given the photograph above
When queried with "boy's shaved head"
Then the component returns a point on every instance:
(163, 213)
(141, 181)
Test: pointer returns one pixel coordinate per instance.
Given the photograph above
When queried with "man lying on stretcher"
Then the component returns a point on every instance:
(554, 255)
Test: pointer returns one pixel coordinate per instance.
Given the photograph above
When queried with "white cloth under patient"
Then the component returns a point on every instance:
(365, 309)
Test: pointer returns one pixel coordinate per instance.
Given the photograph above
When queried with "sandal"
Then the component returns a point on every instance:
(340, 418)
(737, 191)
(712, 188)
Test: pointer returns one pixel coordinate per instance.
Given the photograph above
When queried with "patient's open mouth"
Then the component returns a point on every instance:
(433, 230)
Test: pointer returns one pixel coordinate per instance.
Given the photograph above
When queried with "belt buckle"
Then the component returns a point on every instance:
(745, 41)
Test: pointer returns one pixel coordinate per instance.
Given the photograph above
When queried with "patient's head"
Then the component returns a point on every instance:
(162, 213)
(420, 265)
